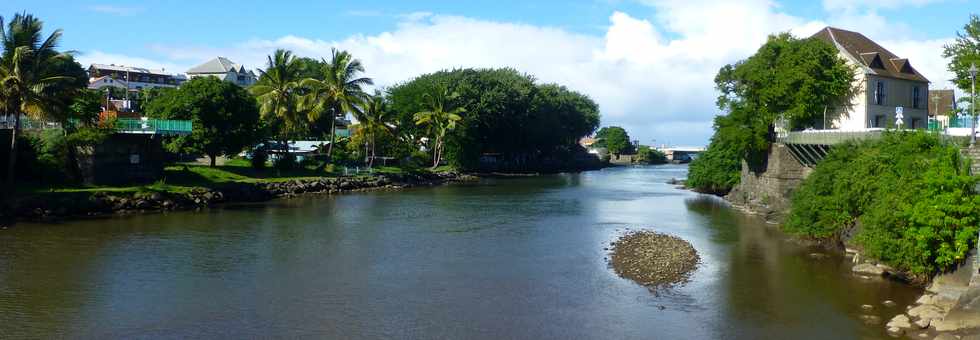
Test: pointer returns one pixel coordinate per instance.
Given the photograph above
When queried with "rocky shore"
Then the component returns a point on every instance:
(653, 259)
(59, 205)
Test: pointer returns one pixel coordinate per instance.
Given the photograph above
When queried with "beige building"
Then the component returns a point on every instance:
(885, 81)
(224, 69)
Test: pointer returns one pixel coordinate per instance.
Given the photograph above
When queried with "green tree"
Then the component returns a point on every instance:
(33, 77)
(337, 92)
(789, 79)
(225, 116)
(648, 155)
(278, 95)
(377, 123)
(615, 139)
(440, 118)
(527, 126)
(963, 52)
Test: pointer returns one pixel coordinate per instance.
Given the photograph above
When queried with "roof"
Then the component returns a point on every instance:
(877, 59)
(217, 65)
(123, 68)
(941, 101)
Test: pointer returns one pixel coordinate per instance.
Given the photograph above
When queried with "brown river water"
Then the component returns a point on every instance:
(516, 258)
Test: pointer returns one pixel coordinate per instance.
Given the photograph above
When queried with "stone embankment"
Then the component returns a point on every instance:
(55, 205)
(767, 191)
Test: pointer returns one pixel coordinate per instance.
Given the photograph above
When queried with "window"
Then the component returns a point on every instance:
(878, 122)
(879, 92)
(916, 102)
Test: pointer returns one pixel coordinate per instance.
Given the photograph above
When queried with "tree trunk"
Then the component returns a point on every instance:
(12, 158)
(373, 153)
(333, 135)
(212, 159)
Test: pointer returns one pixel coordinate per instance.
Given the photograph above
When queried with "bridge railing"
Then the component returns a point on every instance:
(826, 137)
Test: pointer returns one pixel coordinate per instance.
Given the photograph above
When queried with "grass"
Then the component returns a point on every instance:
(180, 178)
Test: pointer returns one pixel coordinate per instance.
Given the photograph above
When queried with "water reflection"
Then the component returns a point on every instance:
(505, 258)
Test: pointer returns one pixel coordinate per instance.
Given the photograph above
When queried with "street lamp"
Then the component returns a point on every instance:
(973, 104)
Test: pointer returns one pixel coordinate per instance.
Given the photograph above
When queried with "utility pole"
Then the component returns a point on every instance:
(973, 104)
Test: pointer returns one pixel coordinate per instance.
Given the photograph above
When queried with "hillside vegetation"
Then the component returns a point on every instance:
(909, 195)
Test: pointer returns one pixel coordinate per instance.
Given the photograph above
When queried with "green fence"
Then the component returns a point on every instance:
(156, 126)
(123, 125)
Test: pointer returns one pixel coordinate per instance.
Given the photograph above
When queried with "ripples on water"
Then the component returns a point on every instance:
(508, 258)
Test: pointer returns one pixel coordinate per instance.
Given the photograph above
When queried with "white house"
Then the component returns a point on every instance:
(224, 69)
(885, 81)
(131, 78)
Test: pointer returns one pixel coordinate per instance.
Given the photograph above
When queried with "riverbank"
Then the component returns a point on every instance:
(66, 204)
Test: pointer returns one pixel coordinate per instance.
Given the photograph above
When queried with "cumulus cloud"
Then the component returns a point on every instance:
(653, 76)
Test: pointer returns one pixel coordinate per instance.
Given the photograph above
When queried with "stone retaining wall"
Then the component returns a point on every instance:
(768, 192)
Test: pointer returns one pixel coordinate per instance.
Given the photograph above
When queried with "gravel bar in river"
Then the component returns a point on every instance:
(654, 259)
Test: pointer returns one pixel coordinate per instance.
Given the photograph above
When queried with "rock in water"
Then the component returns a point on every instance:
(654, 259)
(867, 268)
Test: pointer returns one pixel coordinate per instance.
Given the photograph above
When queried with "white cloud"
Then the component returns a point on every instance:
(115, 10)
(100, 57)
(653, 76)
(852, 5)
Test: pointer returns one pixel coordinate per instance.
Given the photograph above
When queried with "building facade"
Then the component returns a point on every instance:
(886, 84)
(224, 69)
(131, 78)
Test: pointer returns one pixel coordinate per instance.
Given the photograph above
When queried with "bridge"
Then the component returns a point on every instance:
(681, 153)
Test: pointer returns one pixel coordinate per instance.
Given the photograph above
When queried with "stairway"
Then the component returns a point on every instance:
(974, 154)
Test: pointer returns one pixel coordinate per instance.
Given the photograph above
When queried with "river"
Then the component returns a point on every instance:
(516, 258)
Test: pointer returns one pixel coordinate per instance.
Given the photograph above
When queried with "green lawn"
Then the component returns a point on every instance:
(184, 177)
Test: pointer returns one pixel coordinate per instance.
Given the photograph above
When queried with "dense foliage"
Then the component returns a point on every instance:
(910, 193)
(615, 140)
(648, 155)
(963, 52)
(225, 116)
(788, 79)
(506, 114)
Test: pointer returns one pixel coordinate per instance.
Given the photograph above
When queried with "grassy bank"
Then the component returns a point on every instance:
(181, 178)
(907, 200)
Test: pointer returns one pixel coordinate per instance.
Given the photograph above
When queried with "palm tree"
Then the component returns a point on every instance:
(29, 81)
(440, 119)
(376, 120)
(277, 93)
(338, 93)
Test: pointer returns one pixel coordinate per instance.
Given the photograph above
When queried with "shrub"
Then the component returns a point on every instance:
(259, 159)
(910, 192)
(285, 162)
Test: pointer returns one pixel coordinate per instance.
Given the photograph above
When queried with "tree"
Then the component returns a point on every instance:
(33, 80)
(525, 126)
(276, 92)
(440, 118)
(377, 122)
(338, 92)
(225, 116)
(962, 53)
(615, 139)
(796, 80)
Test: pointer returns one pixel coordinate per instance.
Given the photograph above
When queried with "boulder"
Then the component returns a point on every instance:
(867, 268)
(899, 321)
(926, 312)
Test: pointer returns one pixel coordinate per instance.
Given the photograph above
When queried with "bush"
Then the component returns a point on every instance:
(259, 159)
(910, 193)
(285, 162)
(717, 170)
(648, 155)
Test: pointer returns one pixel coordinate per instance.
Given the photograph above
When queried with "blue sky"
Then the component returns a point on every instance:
(648, 63)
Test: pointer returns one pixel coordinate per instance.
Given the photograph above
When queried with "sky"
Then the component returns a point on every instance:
(649, 64)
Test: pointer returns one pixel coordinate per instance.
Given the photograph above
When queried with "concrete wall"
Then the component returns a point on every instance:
(768, 192)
